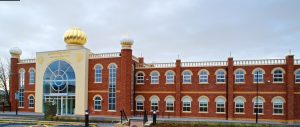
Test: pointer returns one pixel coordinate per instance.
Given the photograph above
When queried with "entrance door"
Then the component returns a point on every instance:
(65, 105)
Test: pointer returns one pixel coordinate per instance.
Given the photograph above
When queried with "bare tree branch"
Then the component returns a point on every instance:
(4, 78)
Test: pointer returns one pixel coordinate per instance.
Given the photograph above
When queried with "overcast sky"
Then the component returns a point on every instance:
(196, 30)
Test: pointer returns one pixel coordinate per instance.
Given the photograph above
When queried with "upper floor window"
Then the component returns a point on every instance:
(170, 77)
(220, 76)
(203, 76)
(154, 102)
(297, 76)
(220, 104)
(278, 105)
(277, 75)
(31, 76)
(98, 73)
(140, 78)
(203, 104)
(239, 76)
(186, 103)
(31, 101)
(258, 105)
(239, 104)
(187, 77)
(97, 103)
(154, 77)
(170, 103)
(139, 103)
(258, 75)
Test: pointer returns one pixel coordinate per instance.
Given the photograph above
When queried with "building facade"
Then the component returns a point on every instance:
(76, 79)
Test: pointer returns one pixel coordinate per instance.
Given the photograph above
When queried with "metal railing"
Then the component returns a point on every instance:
(259, 62)
(105, 55)
(297, 61)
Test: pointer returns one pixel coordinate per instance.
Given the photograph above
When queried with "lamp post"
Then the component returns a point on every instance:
(17, 100)
(256, 119)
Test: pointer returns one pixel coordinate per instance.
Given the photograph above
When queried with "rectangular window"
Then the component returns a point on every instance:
(170, 79)
(187, 79)
(140, 79)
(186, 106)
(31, 102)
(277, 108)
(21, 90)
(220, 107)
(170, 106)
(97, 105)
(220, 78)
(277, 77)
(203, 78)
(140, 105)
(31, 77)
(258, 107)
(154, 79)
(297, 77)
(154, 105)
(98, 75)
(239, 107)
(203, 107)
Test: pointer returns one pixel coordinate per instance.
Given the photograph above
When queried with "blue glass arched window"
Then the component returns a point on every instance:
(59, 77)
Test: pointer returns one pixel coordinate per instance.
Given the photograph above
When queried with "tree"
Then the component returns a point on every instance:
(4, 78)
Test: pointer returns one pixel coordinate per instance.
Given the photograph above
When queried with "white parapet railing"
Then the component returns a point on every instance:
(204, 64)
(259, 62)
(157, 65)
(26, 61)
(135, 59)
(105, 55)
(297, 61)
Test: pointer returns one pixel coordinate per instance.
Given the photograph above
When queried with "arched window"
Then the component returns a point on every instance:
(112, 87)
(139, 103)
(297, 76)
(220, 104)
(277, 76)
(154, 102)
(203, 104)
(220, 76)
(187, 77)
(278, 105)
(140, 78)
(98, 73)
(154, 77)
(258, 105)
(169, 103)
(31, 101)
(203, 76)
(97, 103)
(170, 77)
(239, 76)
(258, 75)
(239, 104)
(186, 103)
(21, 87)
(31, 76)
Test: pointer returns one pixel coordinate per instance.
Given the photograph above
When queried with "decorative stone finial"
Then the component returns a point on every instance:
(15, 52)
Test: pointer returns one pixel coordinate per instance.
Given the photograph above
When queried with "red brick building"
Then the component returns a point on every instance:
(76, 79)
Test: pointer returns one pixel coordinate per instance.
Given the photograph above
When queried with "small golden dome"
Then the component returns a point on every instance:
(75, 36)
(126, 42)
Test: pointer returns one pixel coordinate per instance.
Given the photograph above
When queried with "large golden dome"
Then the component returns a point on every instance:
(75, 36)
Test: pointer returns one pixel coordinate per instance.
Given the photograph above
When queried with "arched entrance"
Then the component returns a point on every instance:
(59, 87)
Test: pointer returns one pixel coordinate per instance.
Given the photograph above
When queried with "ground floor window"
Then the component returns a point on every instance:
(140, 105)
(31, 102)
(170, 106)
(203, 106)
(97, 104)
(239, 107)
(154, 105)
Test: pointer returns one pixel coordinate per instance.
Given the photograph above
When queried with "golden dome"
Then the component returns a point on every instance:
(126, 42)
(75, 36)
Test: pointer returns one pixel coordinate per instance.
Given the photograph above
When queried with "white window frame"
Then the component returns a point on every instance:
(31, 76)
(278, 77)
(139, 103)
(186, 105)
(203, 77)
(154, 78)
(31, 101)
(140, 78)
(98, 73)
(154, 105)
(259, 105)
(220, 77)
(280, 102)
(170, 77)
(297, 76)
(238, 108)
(21, 88)
(239, 76)
(205, 105)
(96, 104)
(169, 104)
(260, 76)
(187, 77)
